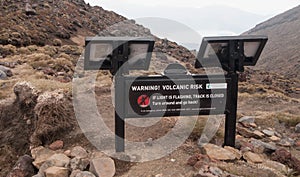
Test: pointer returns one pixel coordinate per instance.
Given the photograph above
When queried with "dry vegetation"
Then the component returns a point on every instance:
(48, 68)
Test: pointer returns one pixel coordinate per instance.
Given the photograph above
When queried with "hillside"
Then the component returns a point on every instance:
(57, 23)
(282, 52)
(44, 22)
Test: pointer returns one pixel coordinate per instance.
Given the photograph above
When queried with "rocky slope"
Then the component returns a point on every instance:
(56, 23)
(42, 23)
(282, 51)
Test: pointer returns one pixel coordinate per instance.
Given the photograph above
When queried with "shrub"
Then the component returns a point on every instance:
(71, 49)
(55, 117)
(50, 50)
(6, 50)
(288, 119)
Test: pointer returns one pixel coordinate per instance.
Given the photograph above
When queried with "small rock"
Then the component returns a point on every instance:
(149, 142)
(23, 167)
(41, 156)
(253, 125)
(198, 160)
(200, 165)
(82, 174)
(192, 160)
(57, 172)
(3, 75)
(78, 163)
(286, 142)
(241, 144)
(258, 134)
(56, 145)
(104, 167)
(247, 119)
(203, 173)
(97, 154)
(248, 133)
(276, 166)
(285, 157)
(6, 70)
(274, 138)
(269, 133)
(59, 160)
(297, 143)
(252, 157)
(79, 152)
(25, 93)
(217, 153)
(29, 10)
(236, 152)
(34, 151)
(28, 122)
(278, 134)
(61, 73)
(68, 153)
(297, 128)
(74, 173)
(268, 147)
(216, 171)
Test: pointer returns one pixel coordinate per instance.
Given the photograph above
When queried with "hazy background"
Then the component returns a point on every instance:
(207, 18)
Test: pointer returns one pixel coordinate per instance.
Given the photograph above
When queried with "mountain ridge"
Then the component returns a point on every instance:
(281, 54)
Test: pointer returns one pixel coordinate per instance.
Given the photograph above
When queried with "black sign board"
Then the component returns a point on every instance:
(185, 95)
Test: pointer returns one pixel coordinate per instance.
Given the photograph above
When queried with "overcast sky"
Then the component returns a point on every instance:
(206, 18)
(262, 7)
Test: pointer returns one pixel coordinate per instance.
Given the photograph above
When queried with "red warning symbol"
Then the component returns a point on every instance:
(143, 101)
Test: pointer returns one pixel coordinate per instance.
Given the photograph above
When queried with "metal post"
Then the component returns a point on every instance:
(121, 68)
(119, 114)
(230, 121)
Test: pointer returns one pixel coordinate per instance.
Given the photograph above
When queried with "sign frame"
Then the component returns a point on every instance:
(230, 108)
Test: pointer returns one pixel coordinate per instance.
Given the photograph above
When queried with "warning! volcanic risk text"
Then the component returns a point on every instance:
(167, 87)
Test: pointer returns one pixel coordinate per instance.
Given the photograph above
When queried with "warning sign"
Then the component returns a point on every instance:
(143, 101)
(162, 96)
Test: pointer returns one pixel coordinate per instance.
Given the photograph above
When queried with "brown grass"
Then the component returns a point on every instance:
(288, 119)
(71, 49)
(50, 50)
(55, 117)
(6, 50)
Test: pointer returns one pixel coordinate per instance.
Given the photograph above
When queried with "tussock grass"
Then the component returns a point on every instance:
(6, 50)
(263, 92)
(288, 119)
